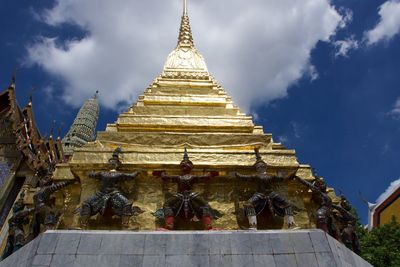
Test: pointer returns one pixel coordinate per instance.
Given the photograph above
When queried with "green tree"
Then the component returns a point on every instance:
(381, 245)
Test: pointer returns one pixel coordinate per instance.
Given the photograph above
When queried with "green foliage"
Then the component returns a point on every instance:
(381, 246)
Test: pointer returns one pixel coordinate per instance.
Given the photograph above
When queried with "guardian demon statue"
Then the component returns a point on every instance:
(320, 196)
(265, 200)
(45, 213)
(109, 199)
(16, 234)
(186, 203)
(348, 232)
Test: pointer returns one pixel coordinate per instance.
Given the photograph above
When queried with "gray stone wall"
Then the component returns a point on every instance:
(307, 248)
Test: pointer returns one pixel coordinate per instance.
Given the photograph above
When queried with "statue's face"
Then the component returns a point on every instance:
(186, 167)
(345, 204)
(321, 185)
(261, 167)
(114, 164)
(18, 206)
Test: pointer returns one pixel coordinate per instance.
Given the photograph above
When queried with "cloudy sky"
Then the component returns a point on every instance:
(321, 75)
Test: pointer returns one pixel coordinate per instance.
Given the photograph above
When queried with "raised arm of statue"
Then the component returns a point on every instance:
(307, 184)
(344, 212)
(23, 213)
(276, 178)
(128, 176)
(165, 177)
(95, 175)
(245, 177)
(315, 189)
(206, 177)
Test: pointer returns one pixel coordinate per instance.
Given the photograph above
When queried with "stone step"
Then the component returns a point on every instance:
(185, 248)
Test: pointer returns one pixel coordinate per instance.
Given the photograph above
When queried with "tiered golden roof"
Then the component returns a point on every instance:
(184, 107)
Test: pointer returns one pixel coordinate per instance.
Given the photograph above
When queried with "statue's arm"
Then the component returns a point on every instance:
(276, 178)
(165, 177)
(172, 178)
(343, 211)
(24, 213)
(128, 176)
(313, 188)
(95, 175)
(205, 177)
(245, 177)
(307, 184)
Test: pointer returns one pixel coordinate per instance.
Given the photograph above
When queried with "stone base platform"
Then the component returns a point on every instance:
(307, 248)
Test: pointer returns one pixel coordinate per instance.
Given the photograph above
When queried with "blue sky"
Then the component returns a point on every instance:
(281, 62)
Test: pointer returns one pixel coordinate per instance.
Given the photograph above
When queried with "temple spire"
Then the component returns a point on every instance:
(83, 129)
(185, 62)
(185, 33)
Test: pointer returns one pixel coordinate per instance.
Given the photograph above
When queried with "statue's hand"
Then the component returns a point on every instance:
(213, 173)
(92, 174)
(282, 174)
(158, 173)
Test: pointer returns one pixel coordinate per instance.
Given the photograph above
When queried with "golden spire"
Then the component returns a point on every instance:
(185, 38)
(185, 61)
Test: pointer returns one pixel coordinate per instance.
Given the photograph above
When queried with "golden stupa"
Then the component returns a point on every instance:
(184, 107)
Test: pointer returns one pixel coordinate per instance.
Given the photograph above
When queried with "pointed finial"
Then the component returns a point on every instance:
(185, 38)
(13, 79)
(30, 95)
(14, 76)
(58, 131)
(60, 127)
(52, 128)
(185, 9)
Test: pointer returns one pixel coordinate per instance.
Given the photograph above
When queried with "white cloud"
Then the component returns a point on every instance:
(393, 186)
(343, 47)
(256, 49)
(283, 139)
(347, 16)
(389, 24)
(395, 112)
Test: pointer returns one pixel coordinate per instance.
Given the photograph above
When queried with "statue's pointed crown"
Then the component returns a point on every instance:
(186, 159)
(185, 155)
(259, 159)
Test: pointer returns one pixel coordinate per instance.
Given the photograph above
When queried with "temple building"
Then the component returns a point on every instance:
(23, 150)
(382, 212)
(83, 130)
(183, 157)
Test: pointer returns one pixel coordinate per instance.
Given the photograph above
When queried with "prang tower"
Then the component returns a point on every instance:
(83, 129)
